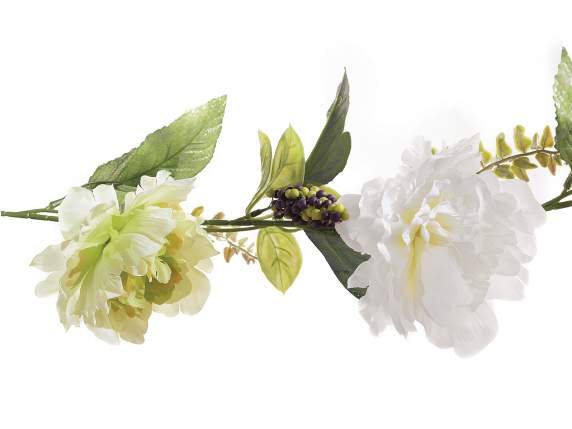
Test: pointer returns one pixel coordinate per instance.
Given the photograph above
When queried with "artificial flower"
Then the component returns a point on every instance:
(118, 260)
(443, 242)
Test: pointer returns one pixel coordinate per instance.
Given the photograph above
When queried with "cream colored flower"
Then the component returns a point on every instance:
(116, 262)
(443, 241)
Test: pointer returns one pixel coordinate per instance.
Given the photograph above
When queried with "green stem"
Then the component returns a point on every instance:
(30, 214)
(513, 157)
(254, 213)
(559, 206)
(556, 202)
(238, 229)
(252, 222)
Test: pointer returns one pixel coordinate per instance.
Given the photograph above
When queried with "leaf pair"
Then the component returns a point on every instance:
(287, 167)
(278, 252)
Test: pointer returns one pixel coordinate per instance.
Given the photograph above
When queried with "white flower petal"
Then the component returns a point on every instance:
(74, 210)
(105, 194)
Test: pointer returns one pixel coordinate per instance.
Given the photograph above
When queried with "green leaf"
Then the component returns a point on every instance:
(279, 256)
(504, 172)
(288, 163)
(546, 140)
(563, 104)
(183, 147)
(329, 156)
(521, 141)
(525, 163)
(520, 173)
(265, 166)
(342, 259)
(503, 149)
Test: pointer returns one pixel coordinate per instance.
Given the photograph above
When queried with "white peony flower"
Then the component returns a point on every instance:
(117, 261)
(443, 242)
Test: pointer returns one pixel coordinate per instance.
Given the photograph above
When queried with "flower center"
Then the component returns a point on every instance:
(427, 223)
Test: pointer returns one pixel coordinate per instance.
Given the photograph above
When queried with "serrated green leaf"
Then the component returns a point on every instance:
(524, 163)
(563, 104)
(265, 169)
(183, 147)
(331, 152)
(288, 163)
(342, 259)
(279, 257)
(503, 149)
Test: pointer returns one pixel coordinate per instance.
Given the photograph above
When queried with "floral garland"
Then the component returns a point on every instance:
(432, 246)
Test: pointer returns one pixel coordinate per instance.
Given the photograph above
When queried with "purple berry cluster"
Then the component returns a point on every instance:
(308, 205)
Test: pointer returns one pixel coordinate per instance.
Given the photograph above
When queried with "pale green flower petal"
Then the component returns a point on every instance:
(99, 279)
(163, 271)
(196, 249)
(102, 328)
(154, 222)
(49, 285)
(65, 305)
(131, 324)
(169, 310)
(205, 265)
(50, 259)
(132, 249)
(194, 302)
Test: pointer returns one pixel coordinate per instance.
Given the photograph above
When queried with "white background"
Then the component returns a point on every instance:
(82, 83)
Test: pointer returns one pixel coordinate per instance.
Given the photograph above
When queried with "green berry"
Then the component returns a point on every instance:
(316, 214)
(338, 208)
(345, 215)
(292, 193)
(304, 191)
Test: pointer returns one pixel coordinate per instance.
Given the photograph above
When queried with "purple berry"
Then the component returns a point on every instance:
(336, 217)
(313, 201)
(300, 204)
(332, 198)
